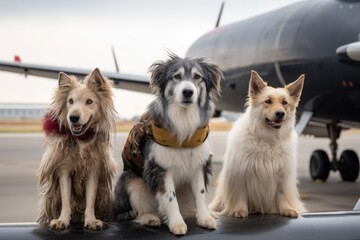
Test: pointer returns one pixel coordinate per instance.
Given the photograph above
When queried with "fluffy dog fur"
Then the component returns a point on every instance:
(185, 90)
(259, 172)
(76, 170)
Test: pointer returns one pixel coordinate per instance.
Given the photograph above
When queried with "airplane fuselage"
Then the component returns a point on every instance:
(285, 43)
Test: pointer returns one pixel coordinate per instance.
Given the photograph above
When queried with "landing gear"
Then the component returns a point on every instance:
(320, 165)
(349, 166)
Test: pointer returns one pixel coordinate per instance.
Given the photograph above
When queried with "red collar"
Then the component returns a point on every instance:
(51, 125)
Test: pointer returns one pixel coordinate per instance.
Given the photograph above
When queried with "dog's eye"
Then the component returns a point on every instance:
(89, 101)
(284, 102)
(268, 101)
(177, 76)
(197, 76)
(71, 101)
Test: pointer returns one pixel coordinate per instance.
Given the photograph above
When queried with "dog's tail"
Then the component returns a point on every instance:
(216, 204)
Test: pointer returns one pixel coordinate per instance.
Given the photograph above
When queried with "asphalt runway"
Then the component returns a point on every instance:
(20, 156)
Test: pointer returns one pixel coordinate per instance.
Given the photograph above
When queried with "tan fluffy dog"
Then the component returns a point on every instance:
(75, 173)
(259, 172)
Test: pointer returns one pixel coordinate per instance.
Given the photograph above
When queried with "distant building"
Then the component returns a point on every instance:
(22, 111)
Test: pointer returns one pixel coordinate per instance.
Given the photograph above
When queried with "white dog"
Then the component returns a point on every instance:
(259, 172)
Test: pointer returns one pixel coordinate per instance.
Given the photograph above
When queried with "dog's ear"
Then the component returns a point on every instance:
(256, 84)
(97, 81)
(295, 88)
(214, 76)
(64, 80)
(65, 84)
(158, 76)
(96, 77)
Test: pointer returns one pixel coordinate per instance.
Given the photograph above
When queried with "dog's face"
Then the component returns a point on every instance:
(186, 84)
(186, 81)
(274, 105)
(82, 100)
(82, 105)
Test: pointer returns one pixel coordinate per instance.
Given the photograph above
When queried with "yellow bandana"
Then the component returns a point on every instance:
(168, 139)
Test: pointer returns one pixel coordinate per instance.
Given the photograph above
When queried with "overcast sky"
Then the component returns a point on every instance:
(80, 34)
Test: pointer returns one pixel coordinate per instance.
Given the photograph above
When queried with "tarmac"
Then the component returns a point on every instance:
(20, 156)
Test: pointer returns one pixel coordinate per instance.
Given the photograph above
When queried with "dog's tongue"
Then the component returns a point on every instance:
(77, 127)
(276, 124)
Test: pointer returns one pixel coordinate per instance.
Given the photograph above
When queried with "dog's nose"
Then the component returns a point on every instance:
(187, 92)
(74, 118)
(279, 114)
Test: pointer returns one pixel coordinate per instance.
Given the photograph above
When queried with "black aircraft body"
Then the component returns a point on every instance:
(320, 38)
(317, 37)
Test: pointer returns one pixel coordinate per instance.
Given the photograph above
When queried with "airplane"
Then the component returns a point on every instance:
(318, 38)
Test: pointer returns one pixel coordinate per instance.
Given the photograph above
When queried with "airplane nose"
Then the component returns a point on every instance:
(74, 118)
(187, 93)
(279, 114)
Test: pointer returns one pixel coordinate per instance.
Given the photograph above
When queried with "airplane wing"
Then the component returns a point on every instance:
(124, 81)
(320, 225)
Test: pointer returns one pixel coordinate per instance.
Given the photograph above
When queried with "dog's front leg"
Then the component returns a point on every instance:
(166, 197)
(204, 218)
(91, 189)
(63, 222)
(284, 197)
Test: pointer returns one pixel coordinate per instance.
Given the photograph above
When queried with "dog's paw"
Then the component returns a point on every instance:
(59, 224)
(290, 212)
(241, 213)
(178, 228)
(95, 224)
(208, 223)
(150, 220)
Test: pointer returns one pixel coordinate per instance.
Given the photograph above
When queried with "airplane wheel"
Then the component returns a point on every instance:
(349, 165)
(319, 165)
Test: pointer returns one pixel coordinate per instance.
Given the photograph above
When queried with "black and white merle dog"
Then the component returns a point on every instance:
(177, 150)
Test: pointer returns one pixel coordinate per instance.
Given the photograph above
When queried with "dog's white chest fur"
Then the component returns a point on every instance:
(181, 162)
